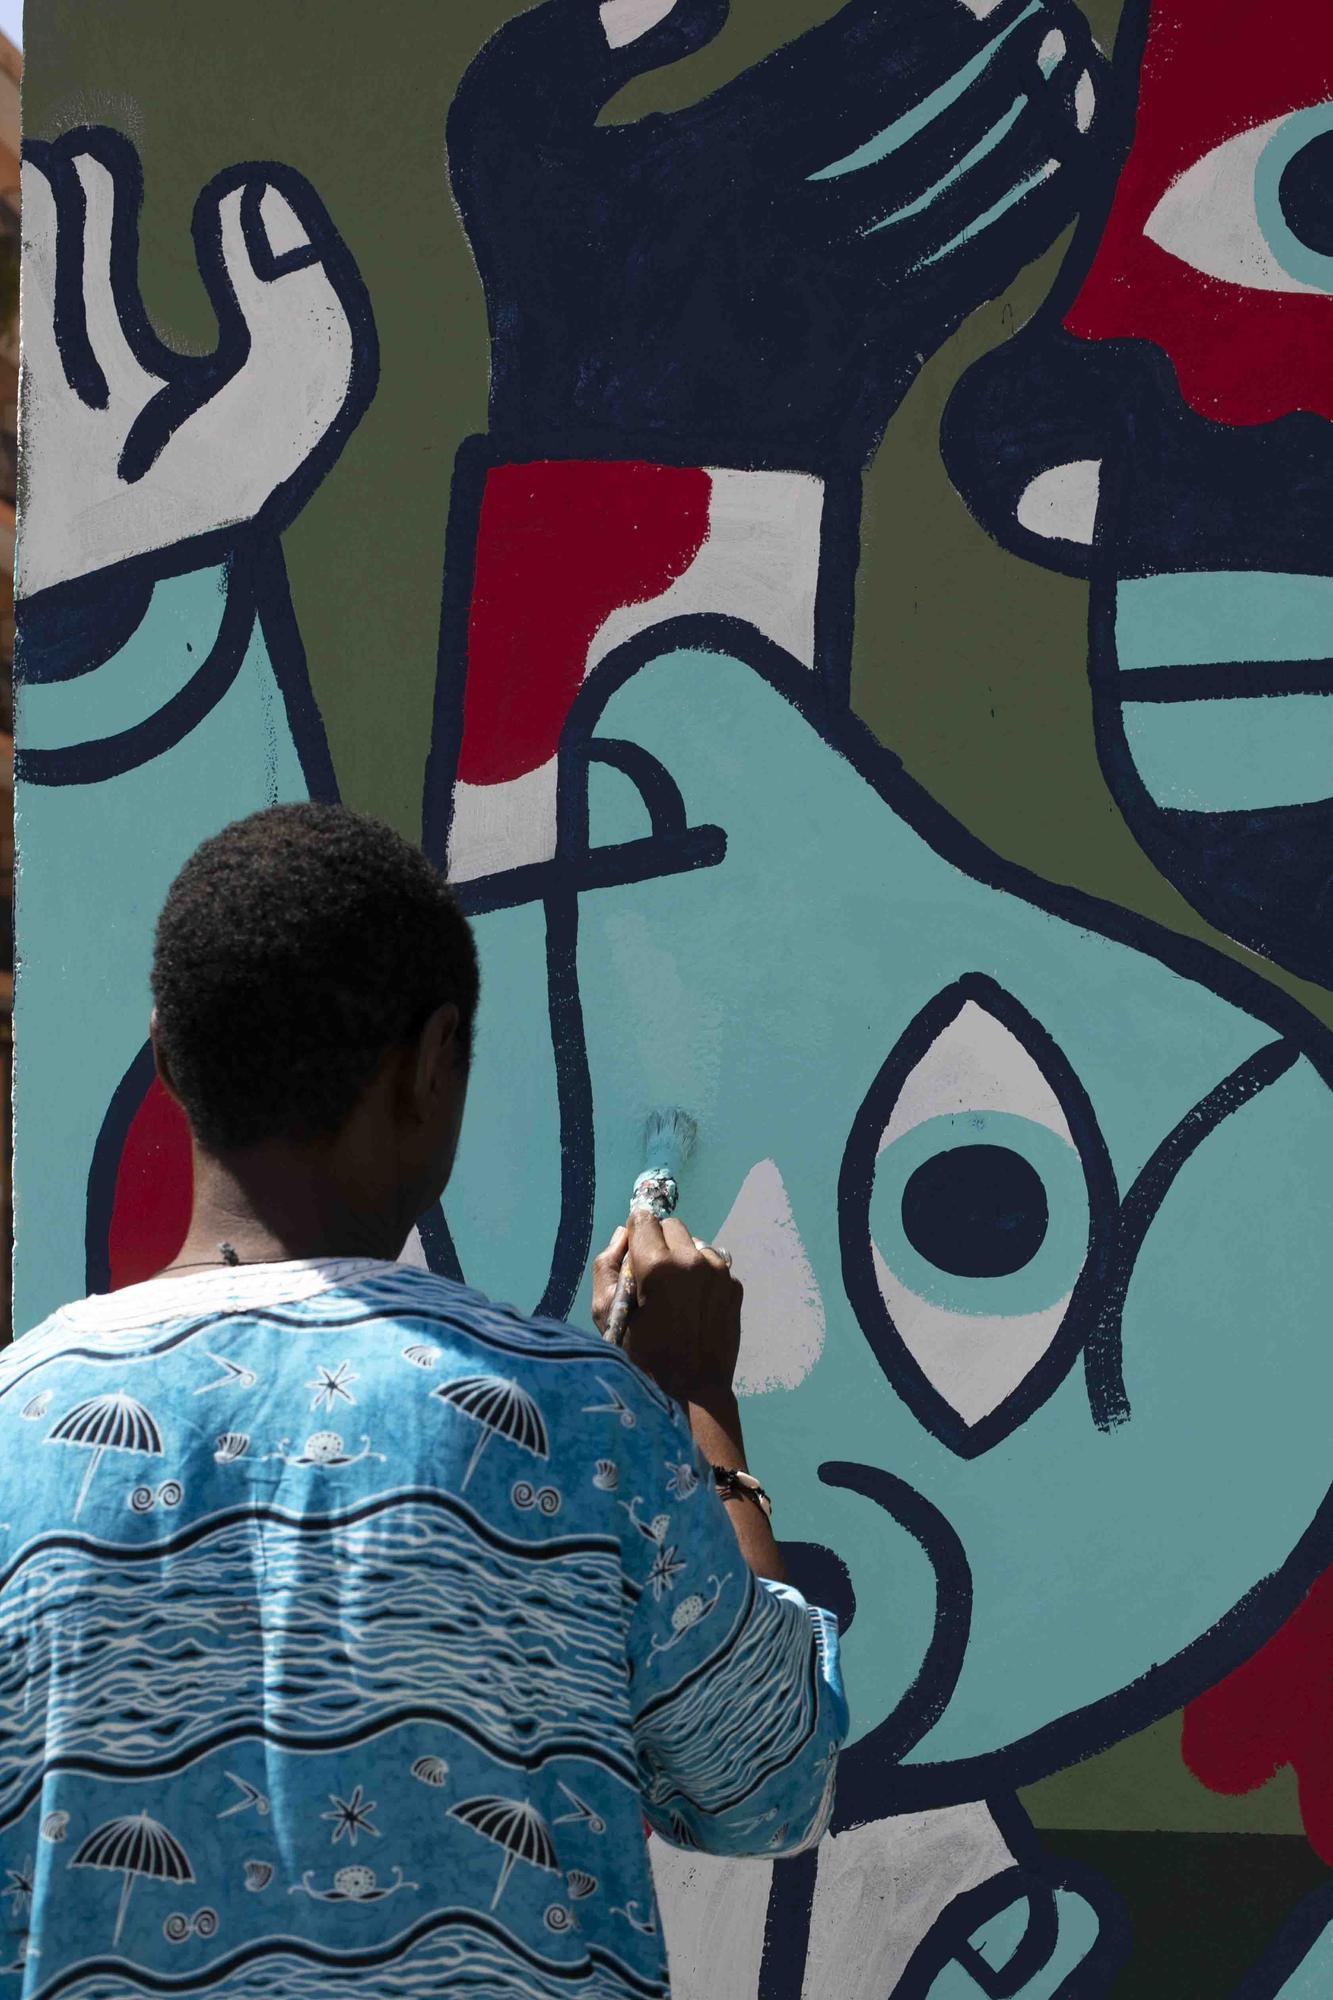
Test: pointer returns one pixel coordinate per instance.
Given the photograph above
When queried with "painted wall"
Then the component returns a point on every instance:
(866, 665)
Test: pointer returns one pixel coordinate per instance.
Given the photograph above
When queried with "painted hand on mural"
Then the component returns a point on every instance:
(757, 279)
(145, 449)
(1165, 427)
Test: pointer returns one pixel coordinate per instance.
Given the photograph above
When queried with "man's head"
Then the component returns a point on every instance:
(310, 967)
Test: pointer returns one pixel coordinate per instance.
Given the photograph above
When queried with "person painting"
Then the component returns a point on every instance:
(351, 1624)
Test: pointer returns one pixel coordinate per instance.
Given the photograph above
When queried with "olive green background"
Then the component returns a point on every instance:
(968, 661)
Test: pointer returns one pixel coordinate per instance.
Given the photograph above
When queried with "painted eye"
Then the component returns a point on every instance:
(1257, 210)
(977, 1202)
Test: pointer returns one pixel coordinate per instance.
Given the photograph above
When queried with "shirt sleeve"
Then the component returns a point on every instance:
(735, 1682)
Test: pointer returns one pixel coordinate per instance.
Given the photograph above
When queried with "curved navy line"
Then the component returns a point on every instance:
(171, 1765)
(874, 1766)
(1235, 1638)
(366, 1959)
(82, 369)
(1103, 1354)
(438, 1245)
(947, 1941)
(856, 1179)
(112, 756)
(654, 783)
(71, 629)
(103, 1169)
(554, 1549)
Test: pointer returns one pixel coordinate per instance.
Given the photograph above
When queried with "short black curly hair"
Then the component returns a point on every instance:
(295, 948)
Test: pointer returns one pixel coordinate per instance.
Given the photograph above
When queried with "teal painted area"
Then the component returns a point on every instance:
(994, 213)
(1234, 755)
(165, 652)
(1078, 1929)
(1051, 1273)
(975, 154)
(1200, 616)
(926, 109)
(763, 996)
(503, 1204)
(95, 865)
(1305, 264)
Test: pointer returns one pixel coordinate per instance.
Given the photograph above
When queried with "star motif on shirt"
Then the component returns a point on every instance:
(667, 1566)
(351, 1816)
(19, 1887)
(330, 1384)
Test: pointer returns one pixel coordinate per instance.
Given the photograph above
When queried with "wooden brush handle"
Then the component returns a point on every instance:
(622, 1305)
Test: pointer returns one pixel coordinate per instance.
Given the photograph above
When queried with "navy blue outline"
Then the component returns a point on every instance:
(104, 1167)
(1226, 680)
(872, 1775)
(856, 1181)
(1268, 1979)
(192, 380)
(791, 1901)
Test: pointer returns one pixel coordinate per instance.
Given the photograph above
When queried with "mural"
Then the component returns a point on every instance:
(1020, 1163)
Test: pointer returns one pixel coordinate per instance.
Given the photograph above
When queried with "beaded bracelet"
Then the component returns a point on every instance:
(733, 1484)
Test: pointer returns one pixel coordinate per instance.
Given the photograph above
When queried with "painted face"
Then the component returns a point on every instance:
(1017, 1206)
(1170, 437)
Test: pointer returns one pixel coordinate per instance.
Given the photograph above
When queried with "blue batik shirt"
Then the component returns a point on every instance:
(349, 1627)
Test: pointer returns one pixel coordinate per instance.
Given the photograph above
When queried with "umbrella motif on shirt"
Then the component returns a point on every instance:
(113, 1422)
(502, 1409)
(132, 1847)
(515, 1827)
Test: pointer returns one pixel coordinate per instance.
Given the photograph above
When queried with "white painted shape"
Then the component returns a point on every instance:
(282, 225)
(713, 1913)
(981, 9)
(413, 1252)
(1085, 101)
(1207, 217)
(973, 1360)
(1052, 48)
(975, 1064)
(1060, 504)
(759, 561)
(623, 21)
(881, 1888)
(782, 1318)
(225, 460)
(503, 826)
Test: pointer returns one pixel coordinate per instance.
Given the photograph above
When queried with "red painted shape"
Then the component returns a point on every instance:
(154, 1184)
(1212, 68)
(1277, 1709)
(561, 544)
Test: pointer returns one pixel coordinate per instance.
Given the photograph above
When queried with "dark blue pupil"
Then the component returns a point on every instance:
(976, 1211)
(1305, 195)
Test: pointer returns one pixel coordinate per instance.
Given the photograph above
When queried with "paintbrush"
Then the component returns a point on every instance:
(668, 1140)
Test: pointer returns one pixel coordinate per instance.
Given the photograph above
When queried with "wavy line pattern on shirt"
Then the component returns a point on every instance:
(414, 1965)
(165, 1656)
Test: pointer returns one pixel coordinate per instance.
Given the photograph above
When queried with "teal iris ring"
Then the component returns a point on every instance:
(1309, 267)
(1048, 1276)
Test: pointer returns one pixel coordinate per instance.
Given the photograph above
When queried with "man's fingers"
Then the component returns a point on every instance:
(614, 1254)
(648, 1249)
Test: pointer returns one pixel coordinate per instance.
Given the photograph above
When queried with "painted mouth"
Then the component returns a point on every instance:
(868, 1772)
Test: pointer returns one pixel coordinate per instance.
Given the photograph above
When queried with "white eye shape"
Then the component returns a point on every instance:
(1256, 210)
(977, 1202)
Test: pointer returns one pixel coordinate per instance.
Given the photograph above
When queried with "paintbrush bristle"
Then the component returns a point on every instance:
(669, 1134)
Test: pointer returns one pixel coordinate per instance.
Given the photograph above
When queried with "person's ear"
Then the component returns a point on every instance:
(160, 1063)
(436, 1067)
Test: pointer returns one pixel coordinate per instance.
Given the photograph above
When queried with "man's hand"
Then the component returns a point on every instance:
(686, 1328)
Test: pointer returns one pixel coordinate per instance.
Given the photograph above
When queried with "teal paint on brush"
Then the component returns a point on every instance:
(668, 1140)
